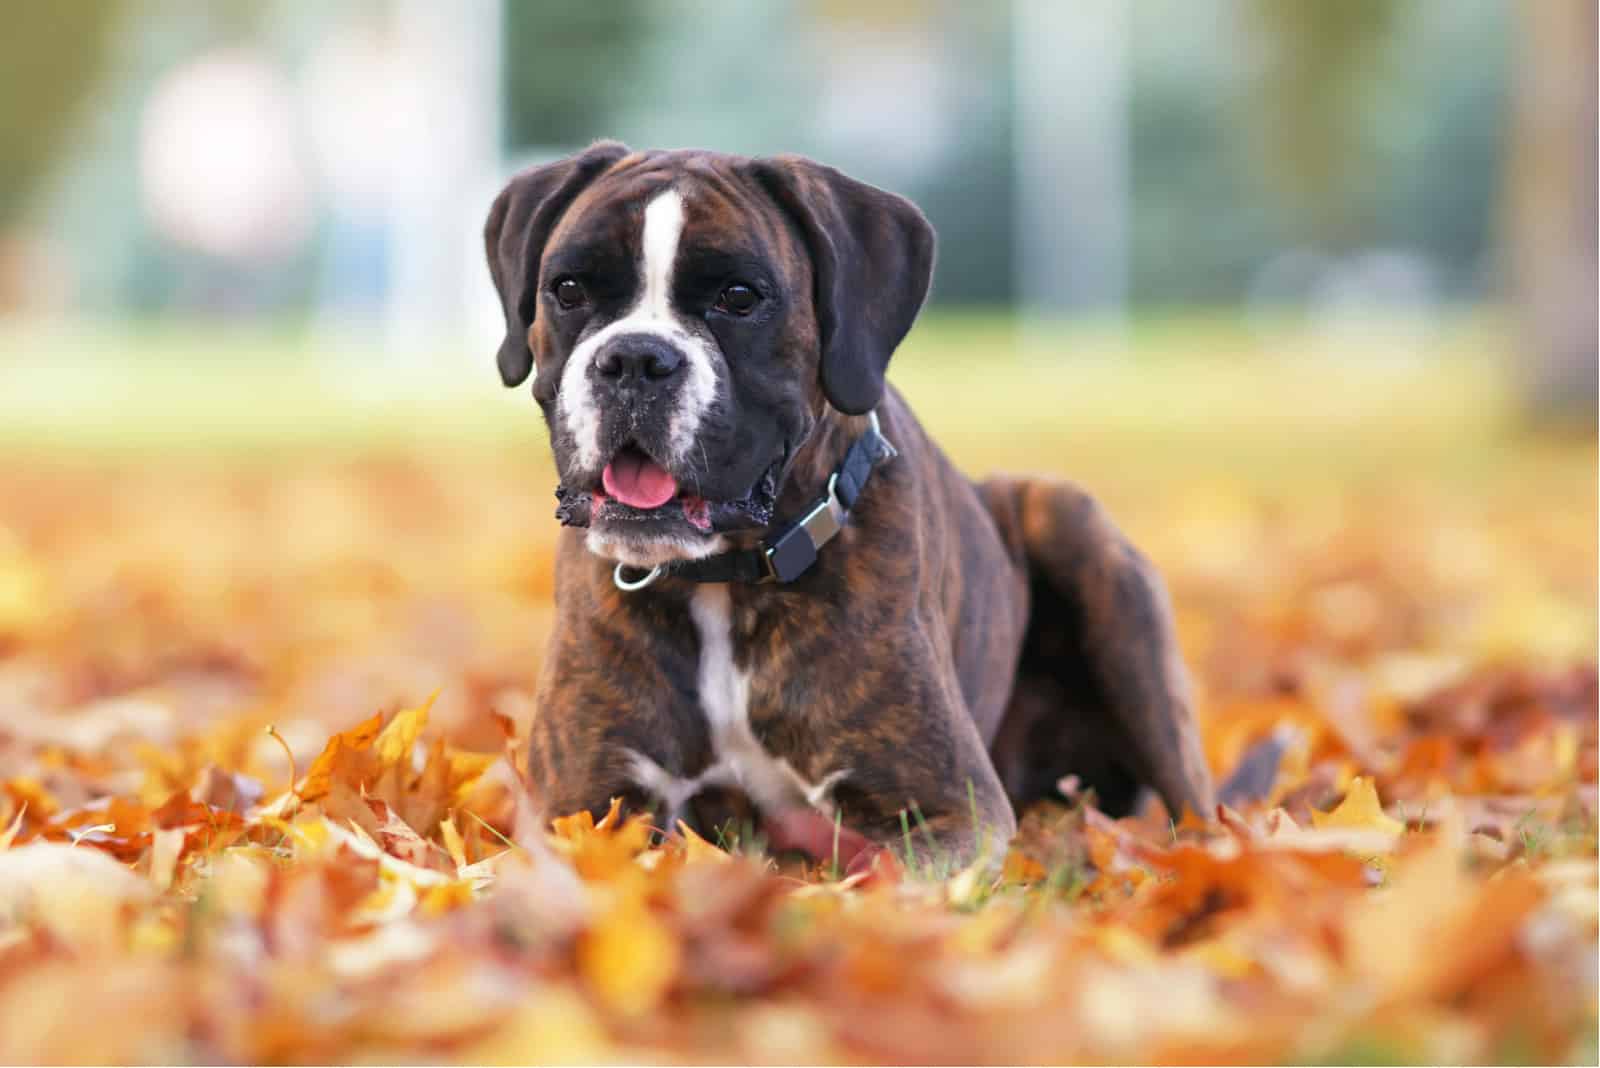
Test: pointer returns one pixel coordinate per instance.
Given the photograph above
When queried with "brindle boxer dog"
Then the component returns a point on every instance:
(737, 630)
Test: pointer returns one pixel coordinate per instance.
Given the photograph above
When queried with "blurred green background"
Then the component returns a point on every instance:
(230, 222)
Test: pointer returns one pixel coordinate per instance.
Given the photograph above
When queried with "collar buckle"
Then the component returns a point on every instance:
(827, 517)
(788, 556)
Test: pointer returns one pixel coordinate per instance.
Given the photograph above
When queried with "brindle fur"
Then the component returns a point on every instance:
(955, 644)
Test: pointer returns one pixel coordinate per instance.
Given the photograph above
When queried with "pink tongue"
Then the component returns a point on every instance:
(636, 480)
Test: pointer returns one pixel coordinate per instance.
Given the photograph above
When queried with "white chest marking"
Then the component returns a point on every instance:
(740, 760)
(652, 313)
(724, 689)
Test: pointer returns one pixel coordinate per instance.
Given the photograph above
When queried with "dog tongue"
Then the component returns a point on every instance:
(638, 481)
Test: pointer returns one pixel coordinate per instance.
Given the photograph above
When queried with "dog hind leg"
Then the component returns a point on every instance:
(1101, 691)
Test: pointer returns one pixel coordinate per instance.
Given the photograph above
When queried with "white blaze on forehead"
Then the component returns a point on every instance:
(651, 313)
(663, 226)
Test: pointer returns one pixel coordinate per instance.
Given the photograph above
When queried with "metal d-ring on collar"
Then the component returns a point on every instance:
(629, 585)
(789, 554)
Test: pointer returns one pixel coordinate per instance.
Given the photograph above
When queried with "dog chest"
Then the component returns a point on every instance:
(738, 757)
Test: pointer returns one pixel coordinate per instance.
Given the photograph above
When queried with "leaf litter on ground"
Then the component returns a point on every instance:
(224, 837)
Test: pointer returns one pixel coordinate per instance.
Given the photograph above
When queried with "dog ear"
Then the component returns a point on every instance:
(872, 258)
(519, 224)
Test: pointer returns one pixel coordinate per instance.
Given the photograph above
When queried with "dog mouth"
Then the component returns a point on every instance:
(634, 479)
(637, 489)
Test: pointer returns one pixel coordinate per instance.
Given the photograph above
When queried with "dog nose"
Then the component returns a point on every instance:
(639, 358)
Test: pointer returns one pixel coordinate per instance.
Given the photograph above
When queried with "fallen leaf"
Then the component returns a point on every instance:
(1360, 810)
(628, 958)
(697, 849)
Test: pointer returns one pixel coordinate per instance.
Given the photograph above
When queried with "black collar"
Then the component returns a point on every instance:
(787, 555)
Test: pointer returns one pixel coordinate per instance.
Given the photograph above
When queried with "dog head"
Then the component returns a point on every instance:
(686, 318)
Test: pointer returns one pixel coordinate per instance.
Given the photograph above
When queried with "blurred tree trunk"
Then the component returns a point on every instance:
(1550, 212)
(50, 57)
(1312, 113)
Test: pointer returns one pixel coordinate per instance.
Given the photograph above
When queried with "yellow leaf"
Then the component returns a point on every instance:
(964, 886)
(30, 792)
(292, 832)
(395, 742)
(240, 881)
(572, 828)
(696, 848)
(437, 900)
(22, 587)
(453, 843)
(580, 825)
(558, 1028)
(466, 768)
(629, 958)
(313, 835)
(166, 848)
(154, 935)
(1222, 957)
(1360, 809)
(984, 930)
(612, 817)
(605, 850)
(1436, 929)
(1564, 752)
(10, 833)
(1122, 945)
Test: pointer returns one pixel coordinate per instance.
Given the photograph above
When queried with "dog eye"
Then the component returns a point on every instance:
(738, 299)
(569, 293)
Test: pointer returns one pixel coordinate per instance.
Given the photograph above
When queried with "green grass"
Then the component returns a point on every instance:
(1170, 396)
